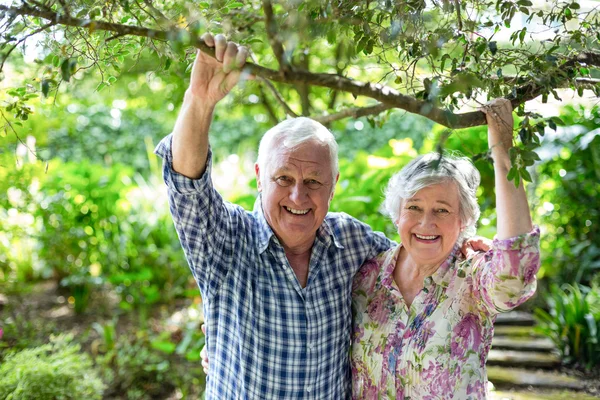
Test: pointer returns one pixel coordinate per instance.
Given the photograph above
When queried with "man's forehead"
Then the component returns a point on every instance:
(312, 168)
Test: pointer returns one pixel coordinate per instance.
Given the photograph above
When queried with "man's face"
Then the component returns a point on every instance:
(297, 187)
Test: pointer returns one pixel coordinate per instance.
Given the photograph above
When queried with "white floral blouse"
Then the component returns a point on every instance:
(437, 348)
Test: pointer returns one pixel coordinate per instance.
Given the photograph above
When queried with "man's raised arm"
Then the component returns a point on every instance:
(211, 80)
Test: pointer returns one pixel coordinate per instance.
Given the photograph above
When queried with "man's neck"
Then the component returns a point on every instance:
(300, 263)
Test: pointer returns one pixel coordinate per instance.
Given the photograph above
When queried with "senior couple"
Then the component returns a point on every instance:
(290, 313)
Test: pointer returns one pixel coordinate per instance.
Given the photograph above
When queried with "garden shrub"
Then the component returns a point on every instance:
(54, 371)
(573, 323)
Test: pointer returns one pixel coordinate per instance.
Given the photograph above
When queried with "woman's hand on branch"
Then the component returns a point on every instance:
(498, 113)
(212, 78)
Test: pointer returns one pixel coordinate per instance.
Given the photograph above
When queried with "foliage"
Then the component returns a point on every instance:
(573, 323)
(91, 226)
(57, 370)
(567, 188)
(135, 369)
(426, 58)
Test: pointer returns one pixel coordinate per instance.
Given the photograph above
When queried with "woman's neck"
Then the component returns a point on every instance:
(409, 275)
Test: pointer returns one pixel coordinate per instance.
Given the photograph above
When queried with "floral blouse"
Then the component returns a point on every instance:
(437, 348)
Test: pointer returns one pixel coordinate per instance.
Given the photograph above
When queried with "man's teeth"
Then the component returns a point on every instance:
(425, 237)
(297, 212)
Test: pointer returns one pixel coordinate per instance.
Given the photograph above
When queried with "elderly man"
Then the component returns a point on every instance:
(276, 282)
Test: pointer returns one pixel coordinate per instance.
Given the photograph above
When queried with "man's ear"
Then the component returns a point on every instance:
(257, 172)
(337, 178)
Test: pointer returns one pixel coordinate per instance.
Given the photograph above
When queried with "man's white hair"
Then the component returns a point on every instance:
(293, 132)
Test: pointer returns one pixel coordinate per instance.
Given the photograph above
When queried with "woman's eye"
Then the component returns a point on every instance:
(412, 208)
(443, 211)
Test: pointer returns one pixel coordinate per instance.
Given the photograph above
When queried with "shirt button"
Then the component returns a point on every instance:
(308, 389)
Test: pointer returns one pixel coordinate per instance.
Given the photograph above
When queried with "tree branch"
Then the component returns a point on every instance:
(354, 113)
(272, 34)
(458, 17)
(267, 105)
(304, 89)
(23, 39)
(279, 98)
(384, 94)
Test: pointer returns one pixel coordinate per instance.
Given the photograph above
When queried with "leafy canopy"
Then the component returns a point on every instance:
(325, 59)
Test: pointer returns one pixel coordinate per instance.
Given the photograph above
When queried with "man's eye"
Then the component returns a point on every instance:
(313, 184)
(283, 180)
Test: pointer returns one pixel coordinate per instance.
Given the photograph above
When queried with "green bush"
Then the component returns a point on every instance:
(140, 368)
(88, 227)
(53, 371)
(573, 323)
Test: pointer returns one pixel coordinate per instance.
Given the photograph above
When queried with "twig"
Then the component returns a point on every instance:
(267, 105)
(278, 97)
(17, 135)
(40, 29)
(354, 113)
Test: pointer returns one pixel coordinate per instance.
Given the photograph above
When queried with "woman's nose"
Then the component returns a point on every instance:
(428, 219)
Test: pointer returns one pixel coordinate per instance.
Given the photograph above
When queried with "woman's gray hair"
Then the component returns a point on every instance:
(432, 169)
(293, 132)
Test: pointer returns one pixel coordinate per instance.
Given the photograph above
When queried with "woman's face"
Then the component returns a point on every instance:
(429, 223)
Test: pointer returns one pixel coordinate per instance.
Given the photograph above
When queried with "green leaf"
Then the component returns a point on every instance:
(204, 4)
(65, 70)
(235, 5)
(568, 13)
(552, 124)
(45, 87)
(525, 175)
(511, 174)
(101, 86)
(574, 6)
(493, 46)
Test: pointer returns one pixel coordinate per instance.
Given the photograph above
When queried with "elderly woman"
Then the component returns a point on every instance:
(423, 312)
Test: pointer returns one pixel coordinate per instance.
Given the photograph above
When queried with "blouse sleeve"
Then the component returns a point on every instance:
(505, 276)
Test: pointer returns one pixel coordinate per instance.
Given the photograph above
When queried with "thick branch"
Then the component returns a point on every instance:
(354, 113)
(304, 89)
(387, 95)
(272, 34)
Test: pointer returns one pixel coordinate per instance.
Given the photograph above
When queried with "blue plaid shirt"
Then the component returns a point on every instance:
(267, 337)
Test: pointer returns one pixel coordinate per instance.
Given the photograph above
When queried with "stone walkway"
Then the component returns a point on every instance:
(525, 366)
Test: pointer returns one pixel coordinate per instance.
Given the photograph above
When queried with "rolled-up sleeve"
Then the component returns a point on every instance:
(506, 275)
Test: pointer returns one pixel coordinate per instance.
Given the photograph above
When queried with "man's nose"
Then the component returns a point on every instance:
(298, 192)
